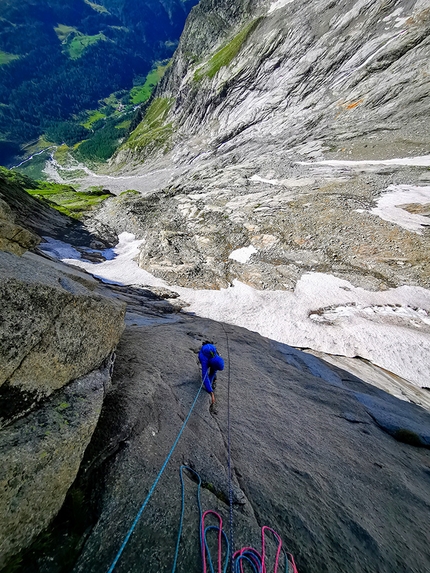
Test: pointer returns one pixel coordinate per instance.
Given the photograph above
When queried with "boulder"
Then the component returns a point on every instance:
(57, 335)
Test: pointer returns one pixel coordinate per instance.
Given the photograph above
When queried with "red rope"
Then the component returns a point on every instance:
(258, 559)
(219, 540)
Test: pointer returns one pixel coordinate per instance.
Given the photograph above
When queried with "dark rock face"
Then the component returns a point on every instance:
(308, 459)
(41, 454)
(56, 339)
(328, 461)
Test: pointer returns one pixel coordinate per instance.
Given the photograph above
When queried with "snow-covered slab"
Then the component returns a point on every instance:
(389, 328)
(389, 206)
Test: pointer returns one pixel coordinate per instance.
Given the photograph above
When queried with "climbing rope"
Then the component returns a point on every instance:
(247, 555)
(181, 521)
(258, 560)
(204, 547)
(230, 487)
(154, 485)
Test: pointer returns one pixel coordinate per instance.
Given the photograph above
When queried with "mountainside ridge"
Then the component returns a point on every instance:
(335, 55)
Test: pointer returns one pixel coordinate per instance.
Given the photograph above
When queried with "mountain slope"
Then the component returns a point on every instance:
(310, 70)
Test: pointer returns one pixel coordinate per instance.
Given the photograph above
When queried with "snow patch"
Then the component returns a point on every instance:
(389, 206)
(243, 255)
(400, 22)
(302, 182)
(59, 250)
(120, 268)
(396, 345)
(263, 180)
(408, 315)
(279, 4)
(396, 12)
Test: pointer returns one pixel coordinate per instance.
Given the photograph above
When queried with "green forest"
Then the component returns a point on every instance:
(61, 61)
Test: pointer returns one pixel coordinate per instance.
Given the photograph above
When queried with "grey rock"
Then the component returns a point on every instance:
(404, 421)
(309, 363)
(40, 457)
(14, 238)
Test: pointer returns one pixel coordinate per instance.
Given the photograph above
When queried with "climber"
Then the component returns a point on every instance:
(211, 362)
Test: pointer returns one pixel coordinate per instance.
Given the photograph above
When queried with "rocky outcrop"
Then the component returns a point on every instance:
(56, 339)
(41, 455)
(34, 216)
(54, 330)
(14, 238)
(57, 335)
(302, 71)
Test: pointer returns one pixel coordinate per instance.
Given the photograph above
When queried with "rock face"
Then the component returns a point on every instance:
(14, 238)
(56, 340)
(57, 335)
(311, 457)
(23, 216)
(41, 454)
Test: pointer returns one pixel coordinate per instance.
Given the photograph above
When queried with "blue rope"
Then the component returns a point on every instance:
(250, 557)
(208, 528)
(181, 521)
(154, 485)
(216, 528)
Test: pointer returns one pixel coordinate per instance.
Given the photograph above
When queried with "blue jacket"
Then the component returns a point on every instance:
(211, 362)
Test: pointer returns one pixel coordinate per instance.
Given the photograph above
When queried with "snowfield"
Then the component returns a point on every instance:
(389, 328)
